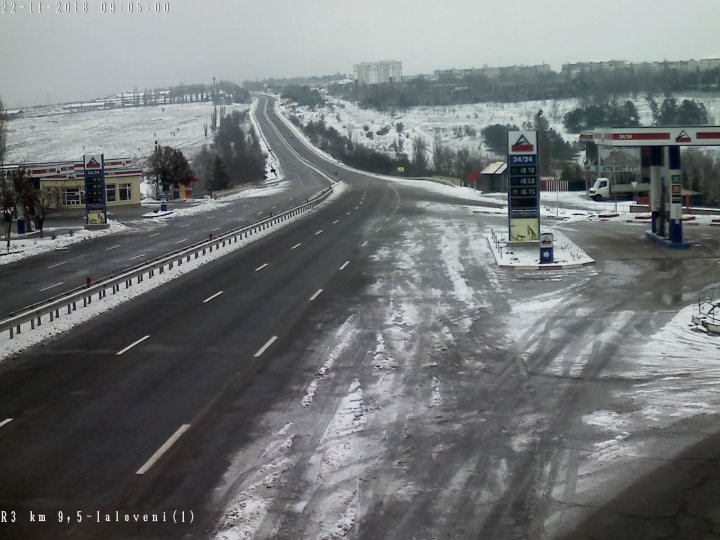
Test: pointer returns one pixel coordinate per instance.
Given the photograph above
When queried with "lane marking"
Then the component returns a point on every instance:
(126, 349)
(378, 229)
(58, 264)
(347, 213)
(259, 213)
(261, 267)
(296, 245)
(364, 243)
(265, 347)
(113, 247)
(211, 297)
(183, 226)
(5, 422)
(318, 232)
(154, 234)
(52, 286)
(211, 218)
(344, 265)
(336, 222)
(137, 256)
(215, 229)
(181, 241)
(314, 296)
(164, 448)
(231, 211)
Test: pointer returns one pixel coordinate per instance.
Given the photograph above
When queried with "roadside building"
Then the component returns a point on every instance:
(64, 183)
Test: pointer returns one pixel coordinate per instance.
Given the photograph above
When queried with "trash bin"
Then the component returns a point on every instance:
(21, 226)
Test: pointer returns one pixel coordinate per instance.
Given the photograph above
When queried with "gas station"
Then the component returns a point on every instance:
(660, 164)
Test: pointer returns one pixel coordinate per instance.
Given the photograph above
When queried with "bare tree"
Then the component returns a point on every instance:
(442, 157)
(420, 158)
(46, 201)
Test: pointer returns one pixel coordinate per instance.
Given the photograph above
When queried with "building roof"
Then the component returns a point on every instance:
(496, 167)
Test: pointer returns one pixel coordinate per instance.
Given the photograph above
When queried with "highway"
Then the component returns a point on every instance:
(366, 372)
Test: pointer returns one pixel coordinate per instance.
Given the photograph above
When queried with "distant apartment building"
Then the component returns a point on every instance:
(494, 72)
(385, 72)
(613, 66)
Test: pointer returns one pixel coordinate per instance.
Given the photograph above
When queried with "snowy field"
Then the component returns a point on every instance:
(129, 132)
(460, 126)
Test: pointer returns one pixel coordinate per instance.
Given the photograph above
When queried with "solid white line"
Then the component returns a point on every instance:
(5, 422)
(58, 264)
(265, 347)
(336, 221)
(164, 448)
(318, 232)
(314, 296)
(261, 267)
(126, 349)
(181, 241)
(52, 286)
(113, 247)
(296, 245)
(137, 256)
(154, 234)
(364, 243)
(211, 297)
(344, 265)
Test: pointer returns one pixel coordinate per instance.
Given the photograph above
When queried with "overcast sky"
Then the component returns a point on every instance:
(74, 56)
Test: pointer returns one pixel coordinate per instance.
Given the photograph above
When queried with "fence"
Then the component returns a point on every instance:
(50, 309)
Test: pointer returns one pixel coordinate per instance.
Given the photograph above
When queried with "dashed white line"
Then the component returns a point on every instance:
(211, 297)
(57, 264)
(259, 213)
(137, 256)
(113, 247)
(296, 245)
(126, 349)
(261, 267)
(265, 347)
(318, 232)
(347, 213)
(344, 265)
(52, 286)
(378, 229)
(154, 234)
(215, 229)
(5, 422)
(314, 296)
(336, 222)
(364, 243)
(181, 241)
(164, 448)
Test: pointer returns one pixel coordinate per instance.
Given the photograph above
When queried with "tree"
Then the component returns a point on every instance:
(443, 157)
(495, 137)
(47, 200)
(168, 167)
(219, 178)
(420, 158)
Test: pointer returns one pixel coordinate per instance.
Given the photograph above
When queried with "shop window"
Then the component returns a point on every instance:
(109, 192)
(125, 192)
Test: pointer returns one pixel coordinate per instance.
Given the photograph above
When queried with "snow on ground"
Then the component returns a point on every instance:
(10, 347)
(459, 126)
(28, 245)
(129, 132)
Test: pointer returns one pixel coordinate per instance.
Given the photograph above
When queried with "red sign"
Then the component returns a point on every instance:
(522, 145)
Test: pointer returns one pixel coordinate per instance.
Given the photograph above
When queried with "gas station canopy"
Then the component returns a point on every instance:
(655, 136)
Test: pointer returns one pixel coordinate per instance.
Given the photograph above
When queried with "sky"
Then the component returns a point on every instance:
(52, 57)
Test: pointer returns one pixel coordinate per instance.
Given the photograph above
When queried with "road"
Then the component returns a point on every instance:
(368, 373)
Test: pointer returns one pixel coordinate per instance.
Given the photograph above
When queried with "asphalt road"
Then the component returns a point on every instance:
(368, 373)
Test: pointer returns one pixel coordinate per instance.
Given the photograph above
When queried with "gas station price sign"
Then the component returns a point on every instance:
(523, 186)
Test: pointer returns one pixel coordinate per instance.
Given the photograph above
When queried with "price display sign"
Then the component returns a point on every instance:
(523, 186)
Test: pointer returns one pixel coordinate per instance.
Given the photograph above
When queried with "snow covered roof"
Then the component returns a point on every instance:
(496, 167)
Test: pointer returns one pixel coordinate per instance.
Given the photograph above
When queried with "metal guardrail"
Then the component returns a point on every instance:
(68, 301)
